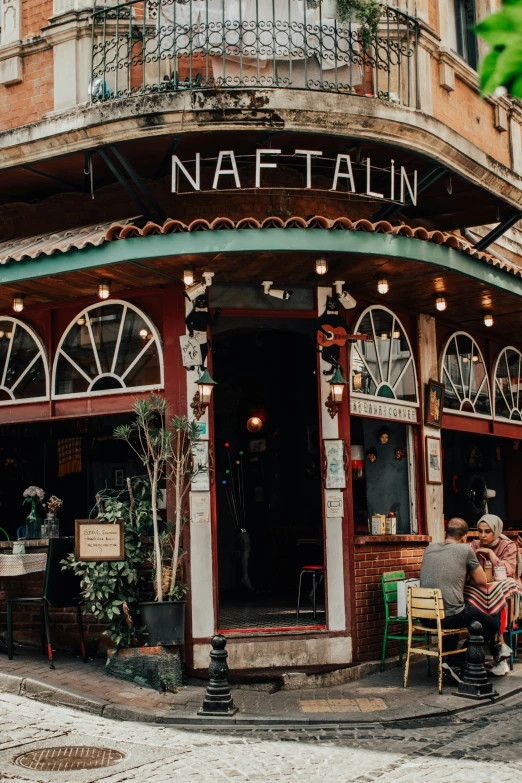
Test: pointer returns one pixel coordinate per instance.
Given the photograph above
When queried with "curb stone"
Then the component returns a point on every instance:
(37, 690)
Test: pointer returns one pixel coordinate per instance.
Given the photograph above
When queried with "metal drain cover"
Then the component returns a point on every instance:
(68, 759)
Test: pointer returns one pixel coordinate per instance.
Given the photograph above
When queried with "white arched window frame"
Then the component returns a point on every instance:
(153, 338)
(10, 388)
(507, 385)
(391, 370)
(465, 378)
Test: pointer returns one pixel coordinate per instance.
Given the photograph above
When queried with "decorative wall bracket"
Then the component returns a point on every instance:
(198, 406)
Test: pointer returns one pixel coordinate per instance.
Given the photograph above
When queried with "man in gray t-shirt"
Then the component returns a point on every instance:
(446, 566)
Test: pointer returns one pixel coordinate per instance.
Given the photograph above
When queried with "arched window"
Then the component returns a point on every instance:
(508, 385)
(24, 372)
(384, 366)
(107, 349)
(464, 376)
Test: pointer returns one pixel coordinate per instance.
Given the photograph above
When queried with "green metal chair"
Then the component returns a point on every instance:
(389, 590)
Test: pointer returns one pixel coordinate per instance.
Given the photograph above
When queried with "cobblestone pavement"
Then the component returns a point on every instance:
(484, 746)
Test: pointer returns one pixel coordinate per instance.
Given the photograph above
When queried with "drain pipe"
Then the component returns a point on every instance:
(474, 238)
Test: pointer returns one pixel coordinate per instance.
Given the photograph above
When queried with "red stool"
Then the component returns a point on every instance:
(314, 570)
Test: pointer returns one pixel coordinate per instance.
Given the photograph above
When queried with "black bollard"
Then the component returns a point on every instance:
(475, 683)
(218, 699)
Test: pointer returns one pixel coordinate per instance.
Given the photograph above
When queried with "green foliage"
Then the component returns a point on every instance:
(366, 12)
(113, 590)
(502, 66)
(166, 452)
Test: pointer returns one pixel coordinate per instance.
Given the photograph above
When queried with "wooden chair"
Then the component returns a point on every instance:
(389, 593)
(426, 604)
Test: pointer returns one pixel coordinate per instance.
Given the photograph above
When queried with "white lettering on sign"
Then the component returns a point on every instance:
(220, 171)
(383, 410)
(308, 154)
(260, 165)
(347, 175)
(177, 164)
(343, 172)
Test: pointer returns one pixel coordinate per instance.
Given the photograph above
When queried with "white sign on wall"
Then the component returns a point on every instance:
(395, 411)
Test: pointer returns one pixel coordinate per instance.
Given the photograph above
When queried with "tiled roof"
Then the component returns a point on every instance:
(47, 244)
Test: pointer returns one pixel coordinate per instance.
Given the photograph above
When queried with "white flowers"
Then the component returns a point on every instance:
(33, 491)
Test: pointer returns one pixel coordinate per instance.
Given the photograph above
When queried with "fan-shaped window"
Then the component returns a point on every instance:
(465, 377)
(108, 348)
(508, 385)
(383, 366)
(24, 374)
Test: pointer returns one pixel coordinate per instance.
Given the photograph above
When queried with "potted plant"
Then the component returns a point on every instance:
(167, 454)
(112, 591)
(366, 13)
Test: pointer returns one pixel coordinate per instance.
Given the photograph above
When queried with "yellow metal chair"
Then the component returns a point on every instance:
(426, 604)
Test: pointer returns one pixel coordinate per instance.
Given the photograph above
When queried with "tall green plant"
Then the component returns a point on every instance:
(166, 453)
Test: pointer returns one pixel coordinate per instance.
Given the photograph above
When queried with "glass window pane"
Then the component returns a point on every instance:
(23, 351)
(465, 377)
(146, 371)
(78, 345)
(68, 379)
(135, 334)
(33, 383)
(105, 326)
(383, 368)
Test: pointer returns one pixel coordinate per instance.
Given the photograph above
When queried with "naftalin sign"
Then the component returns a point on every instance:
(400, 185)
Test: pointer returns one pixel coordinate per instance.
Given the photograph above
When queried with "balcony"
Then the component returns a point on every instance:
(164, 46)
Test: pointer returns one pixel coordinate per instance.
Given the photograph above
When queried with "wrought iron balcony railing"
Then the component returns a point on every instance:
(155, 46)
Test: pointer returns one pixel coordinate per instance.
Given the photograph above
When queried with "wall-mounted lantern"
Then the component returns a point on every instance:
(335, 398)
(202, 397)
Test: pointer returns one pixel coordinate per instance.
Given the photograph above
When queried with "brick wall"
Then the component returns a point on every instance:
(373, 555)
(26, 619)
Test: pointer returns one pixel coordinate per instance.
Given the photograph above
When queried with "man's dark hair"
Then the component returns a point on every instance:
(457, 528)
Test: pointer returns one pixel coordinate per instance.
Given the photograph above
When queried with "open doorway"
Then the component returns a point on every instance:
(268, 476)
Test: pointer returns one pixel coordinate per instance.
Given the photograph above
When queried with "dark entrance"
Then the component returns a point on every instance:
(267, 472)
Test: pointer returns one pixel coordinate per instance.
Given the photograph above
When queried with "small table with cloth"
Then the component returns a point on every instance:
(493, 599)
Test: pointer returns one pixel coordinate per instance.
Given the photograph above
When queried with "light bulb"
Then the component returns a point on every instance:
(18, 303)
(321, 266)
(440, 304)
(384, 336)
(143, 334)
(383, 285)
(488, 319)
(104, 289)
(396, 335)
(81, 321)
(188, 275)
(475, 358)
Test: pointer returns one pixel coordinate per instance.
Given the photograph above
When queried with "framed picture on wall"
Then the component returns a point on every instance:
(433, 460)
(434, 404)
(335, 464)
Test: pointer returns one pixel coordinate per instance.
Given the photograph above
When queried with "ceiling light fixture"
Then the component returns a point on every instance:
(488, 319)
(104, 289)
(188, 275)
(440, 304)
(321, 266)
(382, 285)
(18, 303)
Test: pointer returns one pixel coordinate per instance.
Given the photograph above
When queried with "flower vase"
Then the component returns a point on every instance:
(33, 530)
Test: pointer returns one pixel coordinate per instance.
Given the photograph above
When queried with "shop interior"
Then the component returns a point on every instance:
(267, 471)
(482, 474)
(72, 459)
(381, 477)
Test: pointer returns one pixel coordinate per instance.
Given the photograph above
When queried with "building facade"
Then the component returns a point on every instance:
(319, 210)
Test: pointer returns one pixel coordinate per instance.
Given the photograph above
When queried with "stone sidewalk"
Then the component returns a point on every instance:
(378, 698)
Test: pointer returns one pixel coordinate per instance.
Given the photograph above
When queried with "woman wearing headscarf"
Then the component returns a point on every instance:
(492, 545)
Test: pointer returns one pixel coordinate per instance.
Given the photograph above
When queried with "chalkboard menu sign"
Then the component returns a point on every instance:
(100, 541)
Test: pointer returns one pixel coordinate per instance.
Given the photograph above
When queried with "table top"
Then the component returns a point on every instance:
(19, 565)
